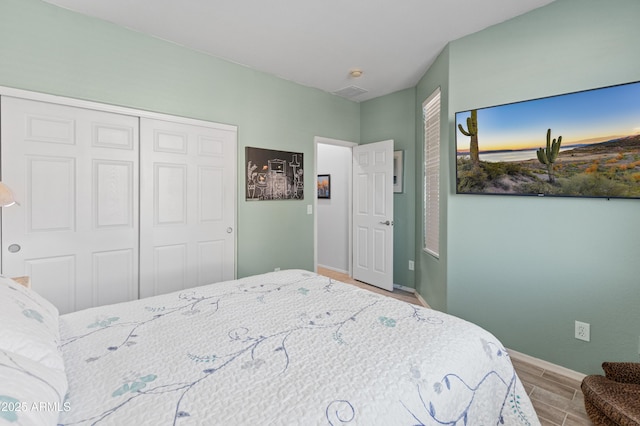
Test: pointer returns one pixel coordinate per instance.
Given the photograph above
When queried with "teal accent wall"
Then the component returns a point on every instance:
(392, 117)
(48, 49)
(526, 268)
(431, 280)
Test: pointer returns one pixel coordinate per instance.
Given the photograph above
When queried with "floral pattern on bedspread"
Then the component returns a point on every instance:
(289, 347)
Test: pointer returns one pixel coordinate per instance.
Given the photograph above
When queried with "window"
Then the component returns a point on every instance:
(431, 117)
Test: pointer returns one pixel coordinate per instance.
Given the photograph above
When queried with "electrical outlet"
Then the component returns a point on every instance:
(411, 265)
(583, 331)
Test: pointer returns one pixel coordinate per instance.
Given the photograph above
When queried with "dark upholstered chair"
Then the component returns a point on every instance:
(614, 399)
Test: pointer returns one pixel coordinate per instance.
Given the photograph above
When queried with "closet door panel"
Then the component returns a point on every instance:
(75, 174)
(170, 196)
(170, 268)
(113, 277)
(56, 276)
(113, 194)
(211, 196)
(187, 210)
(50, 191)
(208, 271)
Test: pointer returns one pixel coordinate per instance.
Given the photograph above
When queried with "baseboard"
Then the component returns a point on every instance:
(546, 365)
(403, 288)
(424, 302)
(415, 293)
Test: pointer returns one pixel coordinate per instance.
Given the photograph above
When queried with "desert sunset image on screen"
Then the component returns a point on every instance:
(582, 144)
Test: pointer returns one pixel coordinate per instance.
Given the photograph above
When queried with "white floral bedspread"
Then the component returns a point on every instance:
(284, 348)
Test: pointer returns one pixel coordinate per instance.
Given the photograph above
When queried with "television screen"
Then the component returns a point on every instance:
(582, 144)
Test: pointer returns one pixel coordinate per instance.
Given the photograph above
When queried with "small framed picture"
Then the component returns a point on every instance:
(398, 172)
(324, 186)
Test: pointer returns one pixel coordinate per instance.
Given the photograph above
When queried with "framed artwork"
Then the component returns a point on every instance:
(398, 171)
(581, 144)
(273, 175)
(324, 186)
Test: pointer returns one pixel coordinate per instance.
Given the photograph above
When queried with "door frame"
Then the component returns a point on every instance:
(347, 144)
(73, 102)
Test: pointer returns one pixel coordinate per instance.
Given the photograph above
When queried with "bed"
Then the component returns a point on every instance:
(288, 347)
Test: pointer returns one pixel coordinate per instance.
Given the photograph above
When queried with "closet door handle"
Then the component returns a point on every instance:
(229, 230)
(14, 248)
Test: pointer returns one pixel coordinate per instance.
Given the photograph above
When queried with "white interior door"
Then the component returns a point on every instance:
(373, 214)
(74, 172)
(188, 206)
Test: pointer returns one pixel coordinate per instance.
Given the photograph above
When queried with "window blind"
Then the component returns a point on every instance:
(431, 117)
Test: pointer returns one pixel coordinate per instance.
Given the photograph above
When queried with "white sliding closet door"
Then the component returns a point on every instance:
(74, 172)
(187, 206)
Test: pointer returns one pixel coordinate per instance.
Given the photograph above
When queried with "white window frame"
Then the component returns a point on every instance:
(431, 111)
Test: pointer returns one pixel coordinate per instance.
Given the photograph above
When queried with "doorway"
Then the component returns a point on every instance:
(333, 218)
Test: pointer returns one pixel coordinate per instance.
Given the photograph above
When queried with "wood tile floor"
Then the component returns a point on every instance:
(557, 399)
(398, 294)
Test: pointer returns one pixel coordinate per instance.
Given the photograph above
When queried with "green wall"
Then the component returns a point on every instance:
(47, 49)
(526, 268)
(392, 117)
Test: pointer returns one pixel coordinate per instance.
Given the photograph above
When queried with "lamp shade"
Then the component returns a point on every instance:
(6, 196)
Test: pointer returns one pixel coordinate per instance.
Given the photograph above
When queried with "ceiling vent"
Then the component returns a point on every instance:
(350, 92)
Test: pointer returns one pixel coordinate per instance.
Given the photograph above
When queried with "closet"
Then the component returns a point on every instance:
(115, 204)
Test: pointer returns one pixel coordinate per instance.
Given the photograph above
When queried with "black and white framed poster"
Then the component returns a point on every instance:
(273, 175)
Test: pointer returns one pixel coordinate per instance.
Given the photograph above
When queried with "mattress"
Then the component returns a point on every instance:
(284, 348)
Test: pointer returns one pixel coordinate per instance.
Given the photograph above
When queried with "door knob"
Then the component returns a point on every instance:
(14, 248)
(229, 230)
(386, 222)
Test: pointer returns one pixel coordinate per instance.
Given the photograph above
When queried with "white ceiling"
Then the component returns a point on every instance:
(314, 43)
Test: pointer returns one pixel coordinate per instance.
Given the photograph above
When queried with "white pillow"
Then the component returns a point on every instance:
(30, 393)
(29, 324)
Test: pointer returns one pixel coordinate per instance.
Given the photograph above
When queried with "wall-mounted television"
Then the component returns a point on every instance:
(582, 144)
